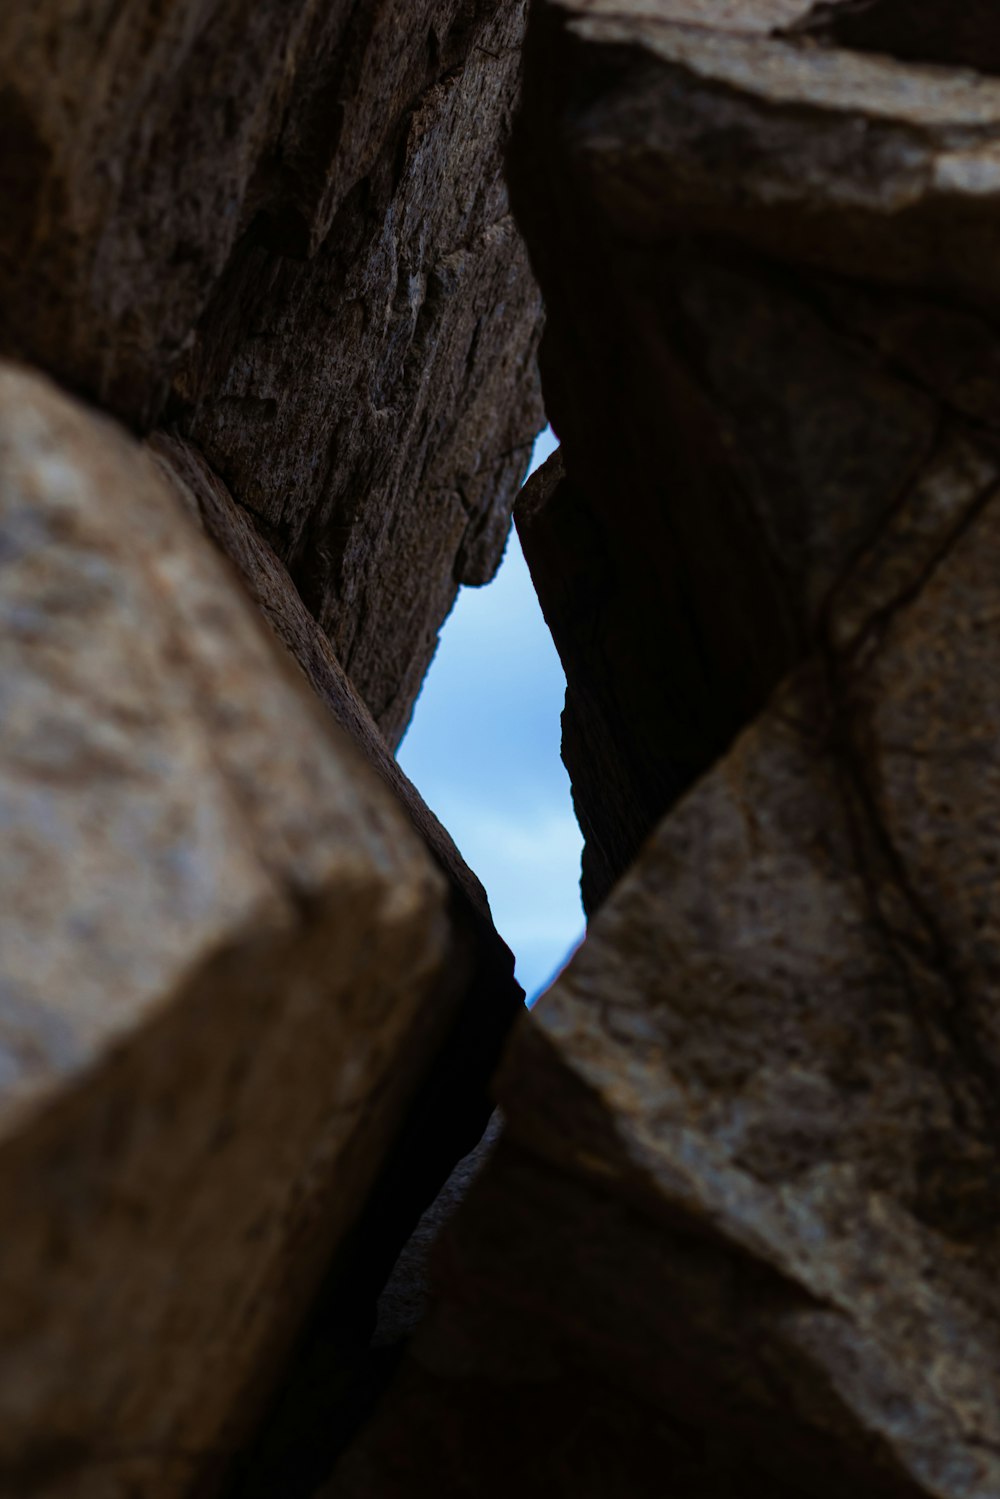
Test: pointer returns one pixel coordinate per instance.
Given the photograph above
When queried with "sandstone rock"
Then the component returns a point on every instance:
(225, 963)
(769, 268)
(293, 213)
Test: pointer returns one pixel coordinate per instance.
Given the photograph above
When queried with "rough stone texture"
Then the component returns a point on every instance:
(274, 593)
(226, 961)
(769, 265)
(751, 1174)
(292, 214)
(376, 409)
(349, 1347)
(740, 1235)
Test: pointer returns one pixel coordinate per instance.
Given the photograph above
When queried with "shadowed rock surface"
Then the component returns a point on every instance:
(770, 276)
(751, 1168)
(343, 1359)
(294, 214)
(740, 1234)
(276, 235)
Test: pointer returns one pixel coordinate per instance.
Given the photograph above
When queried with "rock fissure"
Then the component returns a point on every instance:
(736, 1232)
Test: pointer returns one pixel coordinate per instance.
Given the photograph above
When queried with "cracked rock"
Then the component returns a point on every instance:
(740, 1233)
(283, 228)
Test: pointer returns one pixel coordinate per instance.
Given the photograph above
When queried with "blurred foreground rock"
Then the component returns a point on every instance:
(226, 962)
(348, 1348)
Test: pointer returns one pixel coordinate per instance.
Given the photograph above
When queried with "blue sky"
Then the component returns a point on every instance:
(483, 749)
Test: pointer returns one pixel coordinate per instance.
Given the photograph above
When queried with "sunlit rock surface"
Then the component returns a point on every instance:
(225, 960)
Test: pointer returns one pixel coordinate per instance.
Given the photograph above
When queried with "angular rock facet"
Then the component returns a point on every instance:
(770, 276)
(287, 222)
(740, 1235)
(751, 1174)
(225, 964)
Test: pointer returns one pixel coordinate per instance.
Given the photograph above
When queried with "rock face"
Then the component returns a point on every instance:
(226, 963)
(740, 1230)
(740, 1234)
(340, 1365)
(283, 226)
(272, 590)
(747, 1205)
(247, 1016)
(769, 270)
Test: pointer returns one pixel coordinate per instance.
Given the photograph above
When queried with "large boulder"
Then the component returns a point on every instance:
(339, 1365)
(769, 263)
(226, 963)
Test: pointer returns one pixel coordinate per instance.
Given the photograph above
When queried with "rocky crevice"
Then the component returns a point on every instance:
(738, 1232)
(748, 1186)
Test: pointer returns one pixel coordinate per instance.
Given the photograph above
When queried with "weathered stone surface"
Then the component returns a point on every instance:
(225, 962)
(140, 144)
(751, 1175)
(274, 593)
(346, 1353)
(295, 214)
(769, 270)
(375, 412)
(740, 1234)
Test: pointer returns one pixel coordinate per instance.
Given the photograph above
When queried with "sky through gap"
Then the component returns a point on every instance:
(483, 749)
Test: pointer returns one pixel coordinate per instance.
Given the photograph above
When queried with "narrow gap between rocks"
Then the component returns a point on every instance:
(483, 750)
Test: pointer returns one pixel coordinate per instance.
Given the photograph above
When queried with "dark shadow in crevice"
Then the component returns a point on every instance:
(956, 33)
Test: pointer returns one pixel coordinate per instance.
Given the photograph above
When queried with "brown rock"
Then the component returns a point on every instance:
(376, 412)
(740, 1234)
(295, 213)
(768, 265)
(274, 593)
(340, 1365)
(747, 1203)
(226, 963)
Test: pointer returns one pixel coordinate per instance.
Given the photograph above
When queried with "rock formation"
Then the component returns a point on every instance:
(284, 228)
(739, 1235)
(250, 995)
(226, 962)
(769, 271)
